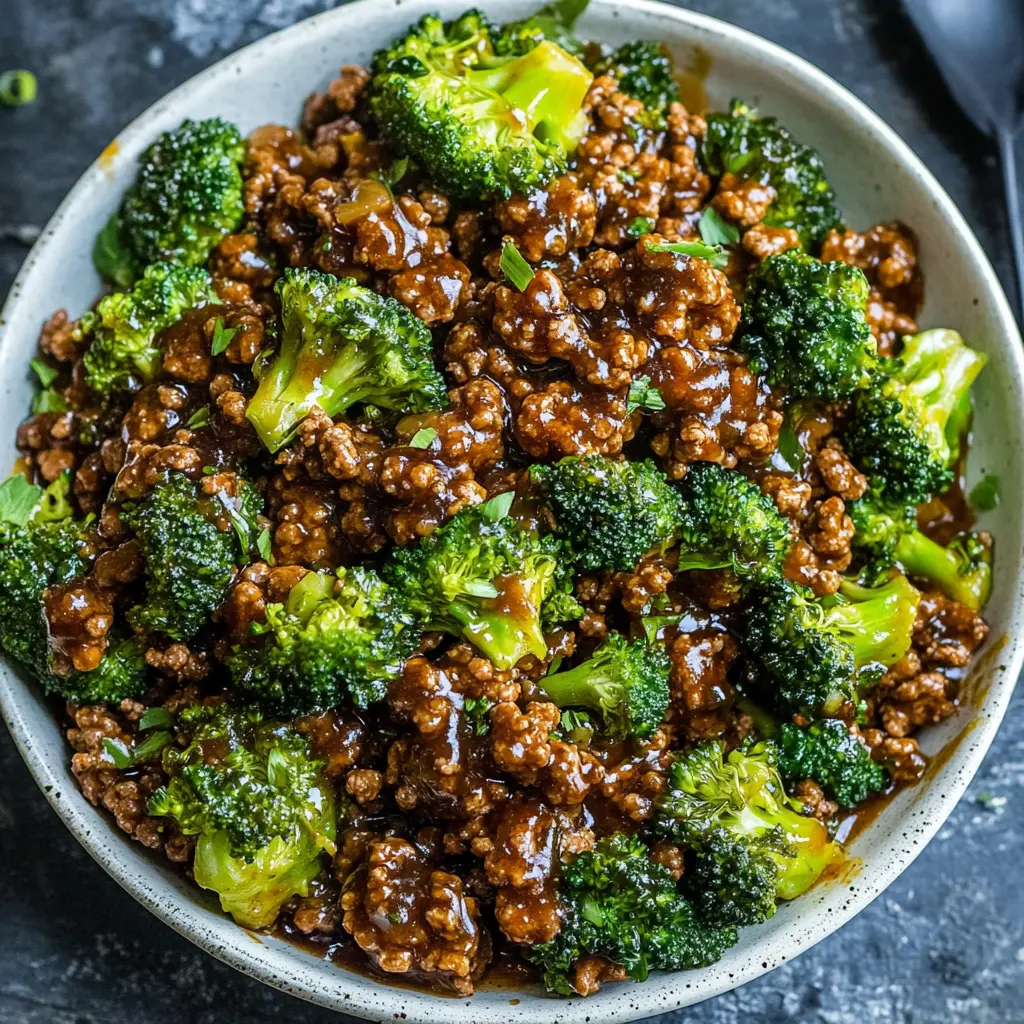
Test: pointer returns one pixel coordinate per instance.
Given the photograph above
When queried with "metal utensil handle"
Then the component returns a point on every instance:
(1008, 158)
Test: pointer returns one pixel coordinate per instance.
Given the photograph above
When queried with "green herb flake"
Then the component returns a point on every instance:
(991, 802)
(497, 508)
(475, 712)
(714, 254)
(640, 226)
(389, 177)
(985, 493)
(265, 546)
(46, 374)
(152, 746)
(49, 400)
(118, 753)
(17, 88)
(199, 419)
(18, 500)
(643, 395)
(517, 271)
(238, 522)
(155, 718)
(423, 438)
(716, 230)
(222, 337)
(789, 451)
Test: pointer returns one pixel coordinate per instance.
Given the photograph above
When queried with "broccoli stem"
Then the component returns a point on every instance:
(542, 85)
(505, 627)
(948, 568)
(877, 622)
(939, 370)
(293, 386)
(589, 685)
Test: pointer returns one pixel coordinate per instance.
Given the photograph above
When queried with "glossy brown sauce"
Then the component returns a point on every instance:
(692, 80)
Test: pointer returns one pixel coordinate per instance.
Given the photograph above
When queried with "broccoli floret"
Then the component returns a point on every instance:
(337, 639)
(803, 327)
(123, 330)
(817, 651)
(341, 345)
(887, 535)
(827, 752)
(759, 149)
(485, 578)
(727, 523)
(186, 197)
(191, 543)
(481, 124)
(47, 548)
(714, 802)
(259, 803)
(644, 71)
(899, 431)
(611, 512)
(732, 883)
(553, 21)
(625, 681)
(616, 903)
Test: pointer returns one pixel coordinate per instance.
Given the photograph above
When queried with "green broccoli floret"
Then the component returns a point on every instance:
(43, 547)
(830, 754)
(727, 523)
(803, 327)
(482, 125)
(817, 651)
(616, 903)
(644, 70)
(337, 639)
(904, 431)
(341, 345)
(191, 543)
(553, 21)
(485, 578)
(625, 681)
(123, 330)
(186, 197)
(733, 811)
(732, 883)
(259, 803)
(887, 535)
(759, 149)
(611, 512)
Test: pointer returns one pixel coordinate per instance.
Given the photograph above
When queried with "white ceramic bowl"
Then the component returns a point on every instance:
(876, 176)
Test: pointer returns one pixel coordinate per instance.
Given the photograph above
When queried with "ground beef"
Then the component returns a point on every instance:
(442, 769)
(306, 529)
(102, 784)
(815, 801)
(407, 916)
(887, 253)
(552, 222)
(723, 412)
(838, 473)
(764, 240)
(946, 632)
(567, 419)
(632, 784)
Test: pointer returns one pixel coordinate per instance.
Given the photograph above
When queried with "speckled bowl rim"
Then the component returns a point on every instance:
(807, 921)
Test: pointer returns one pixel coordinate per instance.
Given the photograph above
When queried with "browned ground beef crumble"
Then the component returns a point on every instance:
(465, 834)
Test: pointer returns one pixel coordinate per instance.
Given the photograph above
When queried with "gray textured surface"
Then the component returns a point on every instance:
(945, 945)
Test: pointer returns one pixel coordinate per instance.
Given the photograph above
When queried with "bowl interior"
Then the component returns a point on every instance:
(876, 177)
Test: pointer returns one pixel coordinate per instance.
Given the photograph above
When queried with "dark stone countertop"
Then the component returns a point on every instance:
(944, 945)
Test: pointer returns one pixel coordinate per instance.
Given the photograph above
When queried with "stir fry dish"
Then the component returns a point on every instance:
(509, 519)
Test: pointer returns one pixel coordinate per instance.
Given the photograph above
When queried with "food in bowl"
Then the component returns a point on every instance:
(510, 518)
